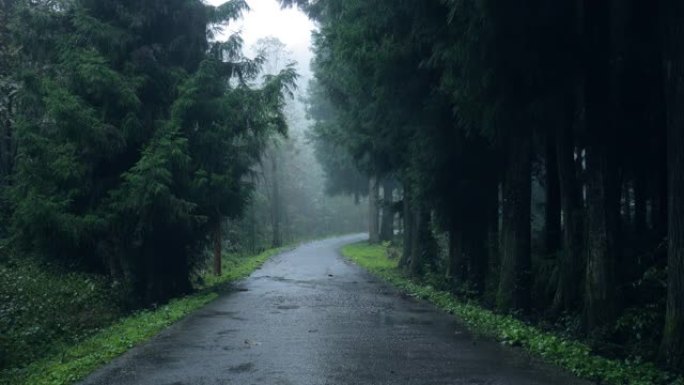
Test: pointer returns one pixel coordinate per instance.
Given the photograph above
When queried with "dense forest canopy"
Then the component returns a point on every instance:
(134, 133)
(133, 137)
(142, 152)
(536, 149)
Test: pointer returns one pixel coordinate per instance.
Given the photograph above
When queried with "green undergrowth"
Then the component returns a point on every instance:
(234, 267)
(71, 360)
(572, 355)
(44, 306)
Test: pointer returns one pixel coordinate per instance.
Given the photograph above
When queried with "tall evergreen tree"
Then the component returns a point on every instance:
(8, 89)
(602, 194)
(135, 132)
(673, 338)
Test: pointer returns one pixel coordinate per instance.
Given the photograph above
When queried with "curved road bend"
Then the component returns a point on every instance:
(307, 317)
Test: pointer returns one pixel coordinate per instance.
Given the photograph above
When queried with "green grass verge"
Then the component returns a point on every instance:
(78, 360)
(566, 353)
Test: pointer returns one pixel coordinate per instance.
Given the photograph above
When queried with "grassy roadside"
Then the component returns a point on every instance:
(566, 353)
(76, 361)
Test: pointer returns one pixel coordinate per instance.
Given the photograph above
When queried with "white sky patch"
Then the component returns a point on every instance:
(265, 19)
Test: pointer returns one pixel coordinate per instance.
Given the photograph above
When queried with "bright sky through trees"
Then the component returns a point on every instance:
(265, 19)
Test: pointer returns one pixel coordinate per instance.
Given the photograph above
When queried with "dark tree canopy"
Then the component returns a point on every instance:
(532, 137)
(530, 154)
(134, 134)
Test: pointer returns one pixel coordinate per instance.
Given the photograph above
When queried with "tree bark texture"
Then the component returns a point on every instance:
(421, 240)
(514, 274)
(456, 266)
(673, 337)
(277, 209)
(415, 254)
(387, 223)
(218, 243)
(373, 233)
(493, 239)
(552, 217)
(407, 227)
(570, 259)
(600, 286)
(475, 252)
(600, 298)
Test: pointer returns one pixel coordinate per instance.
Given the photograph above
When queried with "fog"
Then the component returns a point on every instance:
(289, 203)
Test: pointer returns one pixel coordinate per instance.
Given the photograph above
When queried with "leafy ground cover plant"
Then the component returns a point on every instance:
(58, 328)
(567, 353)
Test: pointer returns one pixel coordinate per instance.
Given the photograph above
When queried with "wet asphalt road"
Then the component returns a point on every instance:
(308, 317)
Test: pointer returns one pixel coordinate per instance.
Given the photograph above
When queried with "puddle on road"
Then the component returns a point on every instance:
(242, 368)
(215, 313)
(227, 331)
(288, 307)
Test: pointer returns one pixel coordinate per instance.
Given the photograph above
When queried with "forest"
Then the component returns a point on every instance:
(137, 148)
(527, 157)
(533, 151)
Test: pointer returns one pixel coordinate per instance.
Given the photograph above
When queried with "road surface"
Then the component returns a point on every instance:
(308, 317)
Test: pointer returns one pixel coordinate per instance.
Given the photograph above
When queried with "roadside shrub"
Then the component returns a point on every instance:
(575, 356)
(43, 305)
(81, 352)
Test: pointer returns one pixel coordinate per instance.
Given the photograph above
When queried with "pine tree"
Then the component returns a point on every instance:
(135, 134)
(673, 337)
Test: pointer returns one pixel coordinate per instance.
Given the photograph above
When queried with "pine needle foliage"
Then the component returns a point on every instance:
(135, 130)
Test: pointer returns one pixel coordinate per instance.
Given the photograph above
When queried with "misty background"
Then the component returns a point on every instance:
(290, 201)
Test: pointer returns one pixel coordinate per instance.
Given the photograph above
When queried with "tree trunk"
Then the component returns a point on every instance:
(600, 303)
(570, 262)
(600, 291)
(252, 229)
(552, 222)
(420, 242)
(673, 336)
(640, 188)
(5, 150)
(493, 242)
(218, 243)
(286, 227)
(7, 143)
(672, 348)
(455, 266)
(414, 259)
(373, 236)
(6, 156)
(277, 235)
(514, 273)
(407, 227)
(387, 224)
(475, 253)
(659, 210)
